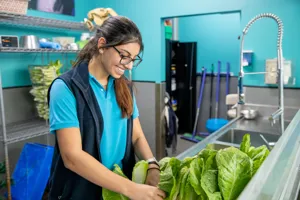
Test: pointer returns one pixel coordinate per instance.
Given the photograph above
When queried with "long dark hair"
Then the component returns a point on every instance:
(116, 30)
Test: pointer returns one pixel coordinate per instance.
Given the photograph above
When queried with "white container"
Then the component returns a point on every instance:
(14, 6)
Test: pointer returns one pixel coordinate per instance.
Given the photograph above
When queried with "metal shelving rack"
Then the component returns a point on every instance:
(24, 20)
(24, 50)
(15, 132)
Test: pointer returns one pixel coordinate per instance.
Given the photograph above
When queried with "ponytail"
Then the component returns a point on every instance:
(124, 97)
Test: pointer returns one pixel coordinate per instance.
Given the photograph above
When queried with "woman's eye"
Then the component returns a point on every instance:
(124, 54)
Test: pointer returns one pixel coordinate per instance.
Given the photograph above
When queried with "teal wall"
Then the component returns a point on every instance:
(14, 66)
(216, 37)
(261, 38)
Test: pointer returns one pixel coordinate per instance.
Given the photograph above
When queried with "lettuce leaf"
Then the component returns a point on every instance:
(206, 153)
(178, 182)
(245, 145)
(195, 174)
(163, 163)
(234, 172)
(209, 179)
(110, 195)
(187, 191)
(187, 161)
(168, 176)
(258, 155)
(139, 173)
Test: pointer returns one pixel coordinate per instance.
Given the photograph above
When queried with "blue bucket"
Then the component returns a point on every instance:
(32, 172)
(215, 124)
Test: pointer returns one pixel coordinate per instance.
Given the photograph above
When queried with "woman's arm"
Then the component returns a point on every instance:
(141, 146)
(143, 151)
(82, 163)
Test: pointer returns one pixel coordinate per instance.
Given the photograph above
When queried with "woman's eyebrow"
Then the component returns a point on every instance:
(129, 52)
(126, 51)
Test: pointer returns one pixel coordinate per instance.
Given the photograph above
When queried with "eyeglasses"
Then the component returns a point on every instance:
(125, 60)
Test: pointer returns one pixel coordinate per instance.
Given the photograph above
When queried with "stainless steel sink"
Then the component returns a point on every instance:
(235, 136)
(217, 145)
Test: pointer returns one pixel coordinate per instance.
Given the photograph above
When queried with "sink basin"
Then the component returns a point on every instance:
(235, 136)
(218, 145)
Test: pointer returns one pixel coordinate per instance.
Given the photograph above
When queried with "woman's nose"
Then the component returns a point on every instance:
(129, 66)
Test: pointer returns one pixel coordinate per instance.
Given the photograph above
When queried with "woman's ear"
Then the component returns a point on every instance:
(101, 42)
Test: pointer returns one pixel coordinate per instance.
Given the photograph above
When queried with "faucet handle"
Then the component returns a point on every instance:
(234, 106)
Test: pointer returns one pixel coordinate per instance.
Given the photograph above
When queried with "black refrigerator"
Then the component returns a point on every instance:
(181, 69)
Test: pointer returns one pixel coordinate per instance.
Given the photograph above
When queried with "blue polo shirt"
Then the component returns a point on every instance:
(63, 114)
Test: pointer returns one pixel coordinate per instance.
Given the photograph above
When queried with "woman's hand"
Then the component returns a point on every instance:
(153, 176)
(146, 192)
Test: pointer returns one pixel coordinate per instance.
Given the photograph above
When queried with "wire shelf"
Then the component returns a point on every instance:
(40, 50)
(24, 20)
(25, 130)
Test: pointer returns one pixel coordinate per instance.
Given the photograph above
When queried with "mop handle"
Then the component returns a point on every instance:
(199, 100)
(217, 89)
(202, 87)
(227, 78)
(211, 90)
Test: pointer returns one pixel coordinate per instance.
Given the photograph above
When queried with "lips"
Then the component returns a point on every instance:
(120, 71)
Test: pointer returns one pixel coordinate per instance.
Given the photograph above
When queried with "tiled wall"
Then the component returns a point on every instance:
(266, 100)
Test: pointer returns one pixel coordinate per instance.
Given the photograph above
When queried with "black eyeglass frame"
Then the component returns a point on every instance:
(129, 58)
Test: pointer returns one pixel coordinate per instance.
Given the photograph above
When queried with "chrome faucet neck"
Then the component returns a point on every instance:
(280, 70)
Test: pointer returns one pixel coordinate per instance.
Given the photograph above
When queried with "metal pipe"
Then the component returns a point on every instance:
(276, 114)
(253, 73)
(7, 169)
(175, 29)
(280, 69)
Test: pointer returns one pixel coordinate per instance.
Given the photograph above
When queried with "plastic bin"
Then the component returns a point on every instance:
(215, 124)
(32, 172)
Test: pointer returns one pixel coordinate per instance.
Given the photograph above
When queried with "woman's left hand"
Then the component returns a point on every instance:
(153, 175)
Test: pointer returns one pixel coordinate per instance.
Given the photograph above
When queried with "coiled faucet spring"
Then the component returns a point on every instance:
(268, 15)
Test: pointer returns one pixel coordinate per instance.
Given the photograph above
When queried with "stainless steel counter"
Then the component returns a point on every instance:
(259, 124)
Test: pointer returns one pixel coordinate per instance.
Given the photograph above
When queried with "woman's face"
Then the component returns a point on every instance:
(111, 57)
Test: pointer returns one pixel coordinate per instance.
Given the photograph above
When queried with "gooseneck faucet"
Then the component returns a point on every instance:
(280, 70)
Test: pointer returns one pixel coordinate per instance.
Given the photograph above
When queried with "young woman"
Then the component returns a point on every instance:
(94, 117)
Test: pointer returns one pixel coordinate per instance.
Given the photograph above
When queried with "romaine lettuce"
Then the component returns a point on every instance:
(209, 175)
(258, 155)
(139, 173)
(234, 172)
(209, 178)
(169, 175)
(245, 145)
(178, 183)
(110, 195)
(195, 174)
(187, 192)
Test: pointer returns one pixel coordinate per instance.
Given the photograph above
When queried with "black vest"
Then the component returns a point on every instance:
(63, 183)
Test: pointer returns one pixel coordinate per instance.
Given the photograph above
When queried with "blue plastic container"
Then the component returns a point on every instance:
(32, 172)
(215, 124)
